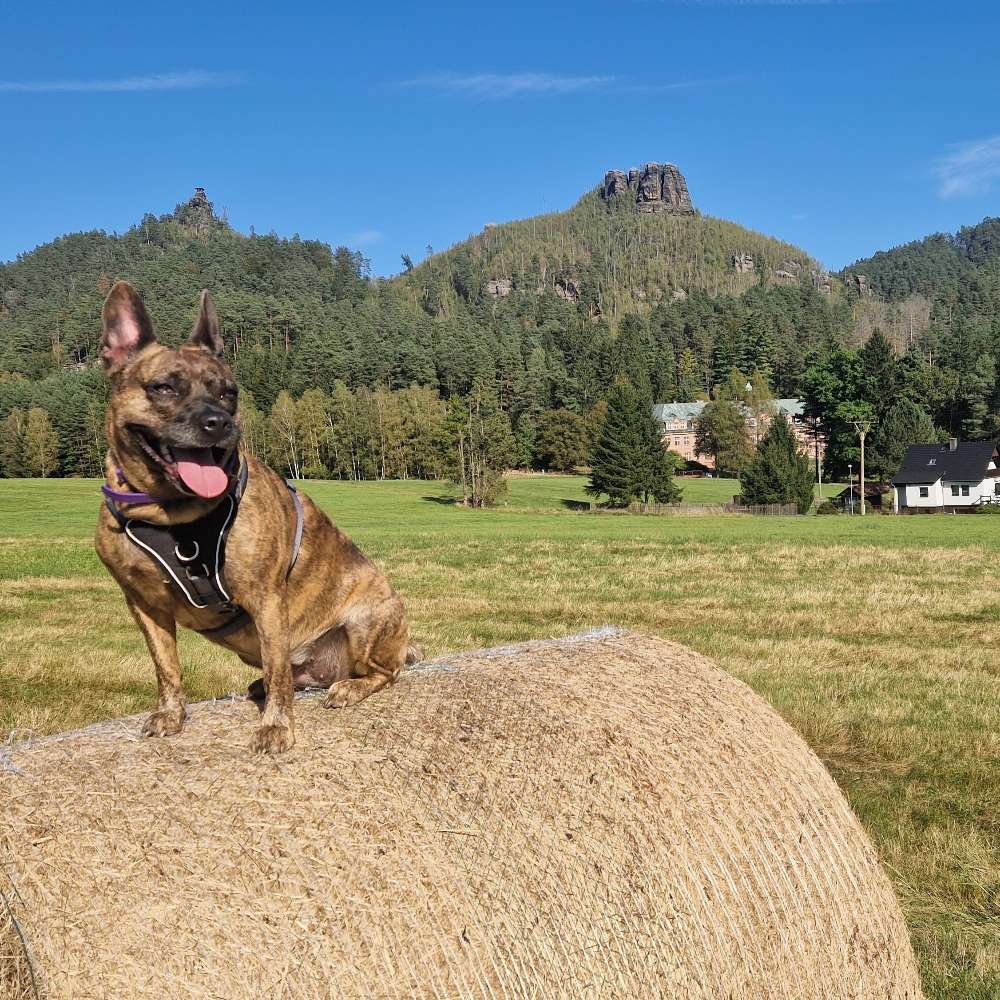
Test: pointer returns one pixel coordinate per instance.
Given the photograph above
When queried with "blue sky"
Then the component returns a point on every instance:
(843, 126)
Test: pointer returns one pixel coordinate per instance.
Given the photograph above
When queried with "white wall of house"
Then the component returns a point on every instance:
(910, 495)
(961, 494)
(943, 494)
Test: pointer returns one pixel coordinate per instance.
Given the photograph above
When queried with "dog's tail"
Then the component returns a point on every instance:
(414, 654)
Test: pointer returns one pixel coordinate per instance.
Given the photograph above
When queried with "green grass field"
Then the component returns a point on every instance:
(876, 638)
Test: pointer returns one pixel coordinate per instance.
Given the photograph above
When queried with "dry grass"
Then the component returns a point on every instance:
(875, 640)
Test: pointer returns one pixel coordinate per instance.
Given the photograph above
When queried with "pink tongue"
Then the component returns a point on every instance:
(199, 472)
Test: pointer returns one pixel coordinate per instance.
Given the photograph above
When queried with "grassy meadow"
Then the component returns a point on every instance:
(876, 638)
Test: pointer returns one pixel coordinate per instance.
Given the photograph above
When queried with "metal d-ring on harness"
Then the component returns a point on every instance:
(194, 554)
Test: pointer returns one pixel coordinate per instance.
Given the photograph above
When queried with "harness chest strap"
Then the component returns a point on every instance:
(194, 554)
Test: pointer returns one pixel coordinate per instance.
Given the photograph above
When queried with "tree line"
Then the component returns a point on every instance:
(589, 299)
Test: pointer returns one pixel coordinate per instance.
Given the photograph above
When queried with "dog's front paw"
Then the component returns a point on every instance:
(164, 723)
(273, 739)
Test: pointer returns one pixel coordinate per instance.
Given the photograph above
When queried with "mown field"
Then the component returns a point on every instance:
(875, 638)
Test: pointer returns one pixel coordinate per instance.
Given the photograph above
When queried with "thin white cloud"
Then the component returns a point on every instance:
(500, 86)
(365, 237)
(194, 79)
(971, 168)
(504, 86)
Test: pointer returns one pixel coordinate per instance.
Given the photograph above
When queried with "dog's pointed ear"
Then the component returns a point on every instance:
(206, 333)
(125, 326)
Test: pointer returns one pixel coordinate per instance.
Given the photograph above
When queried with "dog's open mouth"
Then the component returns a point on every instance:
(196, 470)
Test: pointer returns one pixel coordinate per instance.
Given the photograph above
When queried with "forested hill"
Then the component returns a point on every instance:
(961, 268)
(542, 315)
(280, 289)
(609, 259)
(600, 261)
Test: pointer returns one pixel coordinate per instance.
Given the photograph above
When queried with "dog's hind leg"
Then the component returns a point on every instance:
(378, 644)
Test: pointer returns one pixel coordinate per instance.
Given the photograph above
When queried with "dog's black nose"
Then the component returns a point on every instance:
(216, 423)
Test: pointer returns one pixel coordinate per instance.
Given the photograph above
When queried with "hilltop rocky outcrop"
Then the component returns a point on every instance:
(656, 188)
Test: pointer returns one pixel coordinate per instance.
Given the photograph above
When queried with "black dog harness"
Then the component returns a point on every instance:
(193, 554)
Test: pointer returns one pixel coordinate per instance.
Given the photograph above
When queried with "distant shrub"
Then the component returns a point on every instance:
(826, 507)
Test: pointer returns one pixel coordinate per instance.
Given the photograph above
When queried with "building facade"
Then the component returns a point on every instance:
(677, 428)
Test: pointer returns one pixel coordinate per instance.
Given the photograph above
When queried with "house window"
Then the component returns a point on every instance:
(996, 489)
(965, 491)
(933, 461)
(954, 491)
(924, 491)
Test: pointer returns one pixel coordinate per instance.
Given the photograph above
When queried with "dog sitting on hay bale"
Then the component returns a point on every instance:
(200, 534)
(603, 816)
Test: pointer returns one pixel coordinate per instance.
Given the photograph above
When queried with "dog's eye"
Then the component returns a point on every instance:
(163, 389)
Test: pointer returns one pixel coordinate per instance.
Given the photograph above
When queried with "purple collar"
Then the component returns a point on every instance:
(130, 497)
(120, 497)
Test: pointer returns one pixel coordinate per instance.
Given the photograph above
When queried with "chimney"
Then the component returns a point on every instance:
(952, 444)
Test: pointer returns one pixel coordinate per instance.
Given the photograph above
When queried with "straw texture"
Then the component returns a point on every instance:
(603, 816)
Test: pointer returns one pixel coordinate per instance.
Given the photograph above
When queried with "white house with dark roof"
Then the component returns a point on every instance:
(957, 476)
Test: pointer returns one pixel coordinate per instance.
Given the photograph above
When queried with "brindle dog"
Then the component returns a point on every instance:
(173, 434)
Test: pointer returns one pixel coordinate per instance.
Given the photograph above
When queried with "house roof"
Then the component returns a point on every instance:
(689, 411)
(790, 407)
(968, 462)
(677, 411)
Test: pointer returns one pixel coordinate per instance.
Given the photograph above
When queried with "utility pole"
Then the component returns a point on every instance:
(862, 427)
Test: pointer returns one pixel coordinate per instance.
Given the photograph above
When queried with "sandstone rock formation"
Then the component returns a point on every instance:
(568, 288)
(197, 214)
(657, 188)
(822, 282)
(499, 288)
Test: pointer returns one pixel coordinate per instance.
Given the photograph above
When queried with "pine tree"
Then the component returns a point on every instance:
(525, 437)
(904, 423)
(779, 473)
(617, 458)
(663, 465)
(689, 381)
(878, 372)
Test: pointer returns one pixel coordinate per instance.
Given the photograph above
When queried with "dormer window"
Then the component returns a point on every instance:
(933, 461)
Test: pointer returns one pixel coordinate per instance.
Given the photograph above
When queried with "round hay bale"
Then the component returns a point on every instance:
(603, 816)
